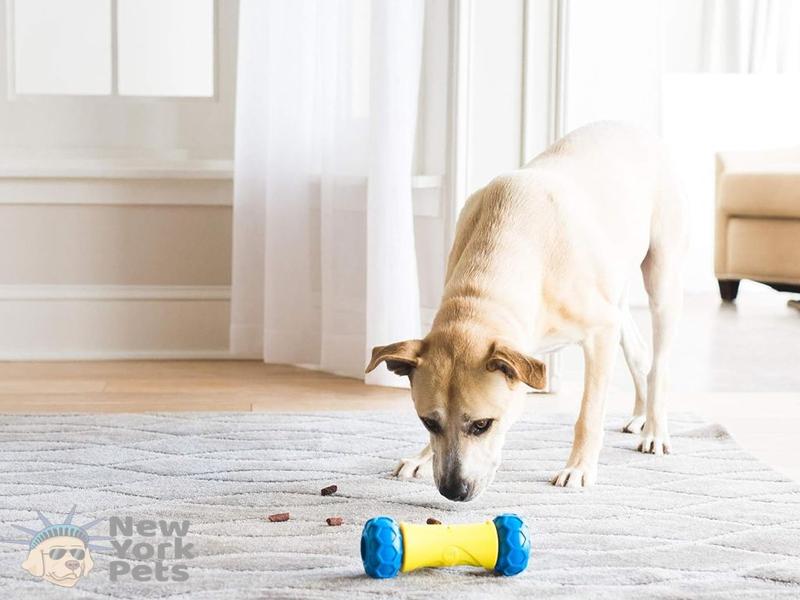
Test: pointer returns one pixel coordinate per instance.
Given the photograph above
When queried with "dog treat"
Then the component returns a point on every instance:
(278, 517)
(334, 521)
(432, 521)
(327, 491)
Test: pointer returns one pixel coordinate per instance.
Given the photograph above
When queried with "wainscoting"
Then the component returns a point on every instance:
(131, 259)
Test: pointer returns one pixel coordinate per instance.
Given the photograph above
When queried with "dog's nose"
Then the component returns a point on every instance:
(458, 490)
(72, 565)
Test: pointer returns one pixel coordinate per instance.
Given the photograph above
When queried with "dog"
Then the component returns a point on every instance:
(543, 257)
(61, 560)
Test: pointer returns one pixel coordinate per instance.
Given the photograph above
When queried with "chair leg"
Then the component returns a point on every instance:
(728, 289)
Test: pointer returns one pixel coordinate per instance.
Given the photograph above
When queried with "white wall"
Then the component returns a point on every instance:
(116, 212)
(642, 61)
(113, 267)
(495, 94)
(115, 220)
(613, 62)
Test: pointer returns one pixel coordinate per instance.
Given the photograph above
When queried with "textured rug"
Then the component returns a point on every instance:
(709, 521)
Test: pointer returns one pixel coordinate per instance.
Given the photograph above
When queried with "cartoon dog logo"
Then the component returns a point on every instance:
(60, 553)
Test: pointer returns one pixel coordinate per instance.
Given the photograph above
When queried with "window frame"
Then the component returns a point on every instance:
(113, 95)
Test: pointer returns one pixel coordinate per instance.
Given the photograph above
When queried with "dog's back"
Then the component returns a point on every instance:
(612, 177)
(574, 223)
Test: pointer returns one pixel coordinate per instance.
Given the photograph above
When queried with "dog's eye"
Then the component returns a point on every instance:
(431, 425)
(480, 426)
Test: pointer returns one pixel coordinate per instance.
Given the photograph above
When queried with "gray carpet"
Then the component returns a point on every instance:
(707, 522)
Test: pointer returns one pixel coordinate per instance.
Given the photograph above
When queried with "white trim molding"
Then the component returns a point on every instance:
(459, 110)
(114, 292)
(114, 322)
(72, 355)
(11, 70)
(126, 182)
(560, 64)
(544, 75)
(109, 168)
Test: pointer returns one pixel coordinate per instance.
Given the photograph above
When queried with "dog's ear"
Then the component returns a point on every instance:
(401, 357)
(88, 562)
(34, 563)
(517, 366)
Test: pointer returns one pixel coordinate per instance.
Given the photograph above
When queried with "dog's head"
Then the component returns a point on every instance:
(61, 560)
(467, 394)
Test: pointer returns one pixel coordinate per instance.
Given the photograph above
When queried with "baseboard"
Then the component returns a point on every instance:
(91, 322)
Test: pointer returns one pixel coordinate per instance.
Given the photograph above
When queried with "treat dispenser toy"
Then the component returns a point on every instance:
(501, 545)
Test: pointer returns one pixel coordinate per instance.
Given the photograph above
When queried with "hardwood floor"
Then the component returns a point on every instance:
(135, 386)
(764, 423)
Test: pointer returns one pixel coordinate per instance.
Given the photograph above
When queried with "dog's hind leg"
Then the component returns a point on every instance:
(663, 281)
(416, 465)
(638, 359)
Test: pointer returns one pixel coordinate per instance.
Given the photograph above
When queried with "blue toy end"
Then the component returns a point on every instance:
(382, 547)
(514, 545)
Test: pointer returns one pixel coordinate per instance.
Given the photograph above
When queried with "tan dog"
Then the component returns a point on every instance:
(61, 560)
(542, 257)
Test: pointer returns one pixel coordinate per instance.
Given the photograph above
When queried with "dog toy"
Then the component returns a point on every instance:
(501, 545)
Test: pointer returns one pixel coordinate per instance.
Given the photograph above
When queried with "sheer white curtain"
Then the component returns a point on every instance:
(751, 36)
(324, 261)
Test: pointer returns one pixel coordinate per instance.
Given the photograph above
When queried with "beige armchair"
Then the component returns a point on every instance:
(758, 220)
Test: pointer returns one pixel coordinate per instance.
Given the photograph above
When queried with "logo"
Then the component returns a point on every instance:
(163, 554)
(143, 550)
(60, 553)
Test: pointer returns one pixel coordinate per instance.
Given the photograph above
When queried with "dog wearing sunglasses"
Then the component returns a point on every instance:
(61, 560)
(543, 257)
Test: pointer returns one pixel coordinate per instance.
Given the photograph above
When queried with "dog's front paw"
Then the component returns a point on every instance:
(635, 424)
(655, 440)
(409, 468)
(581, 475)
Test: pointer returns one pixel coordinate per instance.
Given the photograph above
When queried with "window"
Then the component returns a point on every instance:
(112, 47)
(62, 47)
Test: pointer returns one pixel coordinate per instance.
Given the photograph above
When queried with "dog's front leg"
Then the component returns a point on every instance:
(599, 351)
(414, 466)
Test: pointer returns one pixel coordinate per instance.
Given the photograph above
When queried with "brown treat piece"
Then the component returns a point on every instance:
(432, 521)
(334, 521)
(327, 491)
(277, 518)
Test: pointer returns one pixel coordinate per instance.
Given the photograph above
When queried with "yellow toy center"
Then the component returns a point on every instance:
(449, 545)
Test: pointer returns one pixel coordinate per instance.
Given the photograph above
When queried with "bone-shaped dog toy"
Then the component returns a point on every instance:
(501, 545)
